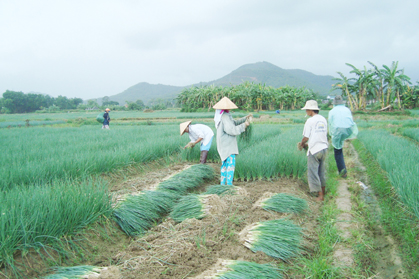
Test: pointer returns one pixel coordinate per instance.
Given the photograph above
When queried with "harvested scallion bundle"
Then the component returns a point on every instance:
(189, 206)
(284, 203)
(81, 271)
(247, 134)
(279, 239)
(247, 270)
(138, 213)
(220, 190)
(187, 179)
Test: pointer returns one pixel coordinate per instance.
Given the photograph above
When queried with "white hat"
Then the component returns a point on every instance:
(183, 126)
(225, 103)
(311, 105)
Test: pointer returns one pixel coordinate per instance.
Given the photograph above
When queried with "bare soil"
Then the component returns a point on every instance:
(187, 249)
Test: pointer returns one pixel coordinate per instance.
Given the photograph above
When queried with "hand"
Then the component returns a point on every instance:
(247, 123)
(299, 146)
(189, 145)
(249, 116)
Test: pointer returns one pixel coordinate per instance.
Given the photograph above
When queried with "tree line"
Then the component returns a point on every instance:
(18, 102)
(247, 96)
(387, 86)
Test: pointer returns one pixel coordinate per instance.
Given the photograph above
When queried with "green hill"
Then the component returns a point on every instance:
(260, 72)
(271, 75)
(145, 92)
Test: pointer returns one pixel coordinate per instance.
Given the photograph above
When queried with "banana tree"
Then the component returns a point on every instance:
(343, 83)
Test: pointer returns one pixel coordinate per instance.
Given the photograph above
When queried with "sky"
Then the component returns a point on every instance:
(95, 48)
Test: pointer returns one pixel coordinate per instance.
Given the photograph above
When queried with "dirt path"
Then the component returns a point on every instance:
(387, 261)
(343, 254)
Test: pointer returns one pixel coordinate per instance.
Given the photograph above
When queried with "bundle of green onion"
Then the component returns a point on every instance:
(186, 180)
(247, 270)
(247, 134)
(74, 272)
(279, 239)
(138, 213)
(190, 206)
(220, 190)
(284, 203)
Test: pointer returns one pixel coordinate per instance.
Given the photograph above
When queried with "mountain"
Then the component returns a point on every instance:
(145, 92)
(271, 75)
(260, 72)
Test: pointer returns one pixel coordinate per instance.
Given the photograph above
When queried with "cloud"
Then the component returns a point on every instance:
(95, 48)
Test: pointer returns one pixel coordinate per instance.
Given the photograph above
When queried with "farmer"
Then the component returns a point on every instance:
(198, 133)
(227, 130)
(315, 133)
(341, 127)
(106, 119)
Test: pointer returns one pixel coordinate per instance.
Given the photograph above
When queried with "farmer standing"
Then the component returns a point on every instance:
(315, 133)
(227, 130)
(198, 133)
(341, 127)
(106, 119)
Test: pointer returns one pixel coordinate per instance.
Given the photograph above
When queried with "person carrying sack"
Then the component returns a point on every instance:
(198, 133)
(341, 128)
(106, 119)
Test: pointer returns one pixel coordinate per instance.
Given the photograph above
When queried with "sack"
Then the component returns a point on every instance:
(100, 117)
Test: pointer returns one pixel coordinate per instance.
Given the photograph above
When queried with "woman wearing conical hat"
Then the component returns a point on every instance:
(227, 130)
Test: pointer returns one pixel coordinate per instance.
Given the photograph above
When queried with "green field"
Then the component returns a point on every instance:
(57, 174)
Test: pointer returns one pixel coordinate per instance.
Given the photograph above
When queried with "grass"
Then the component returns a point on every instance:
(319, 264)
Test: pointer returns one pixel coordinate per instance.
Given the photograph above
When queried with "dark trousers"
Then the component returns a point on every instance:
(340, 162)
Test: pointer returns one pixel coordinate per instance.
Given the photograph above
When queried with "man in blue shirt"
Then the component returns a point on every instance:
(341, 127)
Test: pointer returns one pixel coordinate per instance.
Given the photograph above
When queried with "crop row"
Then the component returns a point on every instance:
(39, 155)
(399, 157)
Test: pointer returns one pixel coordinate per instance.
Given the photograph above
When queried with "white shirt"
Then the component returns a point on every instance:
(197, 131)
(315, 130)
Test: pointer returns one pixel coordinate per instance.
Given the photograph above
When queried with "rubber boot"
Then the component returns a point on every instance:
(203, 158)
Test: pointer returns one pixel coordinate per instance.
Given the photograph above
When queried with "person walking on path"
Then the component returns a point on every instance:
(227, 130)
(198, 133)
(106, 119)
(341, 127)
(315, 138)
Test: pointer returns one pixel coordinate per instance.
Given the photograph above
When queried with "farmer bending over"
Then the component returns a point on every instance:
(198, 133)
(315, 133)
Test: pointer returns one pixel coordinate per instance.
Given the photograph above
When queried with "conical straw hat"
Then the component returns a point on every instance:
(183, 126)
(225, 103)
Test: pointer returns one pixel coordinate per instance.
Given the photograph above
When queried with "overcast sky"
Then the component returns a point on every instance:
(95, 48)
